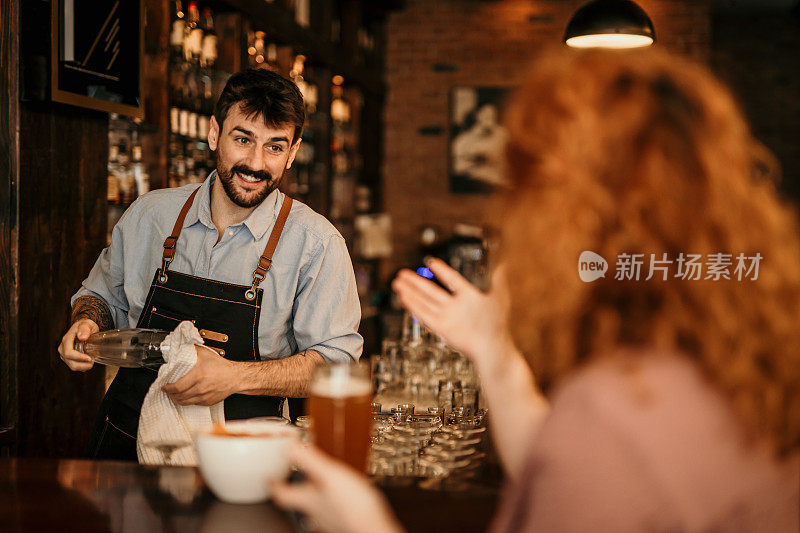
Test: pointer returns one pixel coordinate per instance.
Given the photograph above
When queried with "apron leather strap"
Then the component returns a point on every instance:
(266, 258)
(265, 261)
(172, 241)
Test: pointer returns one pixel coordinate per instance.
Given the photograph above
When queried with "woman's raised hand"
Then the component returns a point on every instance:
(470, 321)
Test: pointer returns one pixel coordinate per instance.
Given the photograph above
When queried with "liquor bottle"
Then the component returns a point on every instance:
(311, 97)
(190, 161)
(140, 175)
(302, 12)
(177, 35)
(208, 54)
(308, 90)
(195, 104)
(257, 51)
(202, 127)
(192, 133)
(206, 92)
(172, 173)
(193, 35)
(183, 120)
(272, 57)
(130, 348)
(127, 181)
(340, 109)
(112, 194)
(174, 119)
(177, 84)
(136, 146)
(180, 170)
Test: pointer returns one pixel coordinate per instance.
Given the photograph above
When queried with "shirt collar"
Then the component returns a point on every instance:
(201, 207)
(263, 217)
(258, 222)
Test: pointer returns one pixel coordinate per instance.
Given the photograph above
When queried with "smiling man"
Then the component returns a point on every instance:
(267, 281)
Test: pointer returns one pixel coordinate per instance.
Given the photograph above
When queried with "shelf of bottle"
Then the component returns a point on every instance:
(179, 64)
(282, 27)
(118, 122)
(317, 120)
(188, 138)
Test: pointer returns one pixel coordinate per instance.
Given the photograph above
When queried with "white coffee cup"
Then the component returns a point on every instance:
(239, 468)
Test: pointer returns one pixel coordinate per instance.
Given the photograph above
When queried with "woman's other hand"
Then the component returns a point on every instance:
(336, 498)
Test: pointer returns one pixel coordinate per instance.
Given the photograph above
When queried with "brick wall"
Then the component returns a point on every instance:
(757, 55)
(478, 43)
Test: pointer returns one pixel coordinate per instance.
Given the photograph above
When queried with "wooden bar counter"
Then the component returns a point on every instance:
(88, 496)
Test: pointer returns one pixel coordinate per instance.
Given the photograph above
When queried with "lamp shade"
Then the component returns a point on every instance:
(610, 24)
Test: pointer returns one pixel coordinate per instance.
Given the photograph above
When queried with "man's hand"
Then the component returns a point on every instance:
(76, 360)
(212, 379)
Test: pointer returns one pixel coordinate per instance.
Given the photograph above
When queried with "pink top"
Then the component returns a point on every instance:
(646, 444)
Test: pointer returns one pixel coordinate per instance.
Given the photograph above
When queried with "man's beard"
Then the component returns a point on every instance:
(235, 193)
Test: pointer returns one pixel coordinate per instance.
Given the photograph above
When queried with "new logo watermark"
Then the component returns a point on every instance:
(591, 266)
(691, 267)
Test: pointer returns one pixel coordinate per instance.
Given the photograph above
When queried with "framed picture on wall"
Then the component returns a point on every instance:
(476, 139)
(97, 52)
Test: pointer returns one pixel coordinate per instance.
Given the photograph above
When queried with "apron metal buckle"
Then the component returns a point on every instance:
(250, 293)
(164, 265)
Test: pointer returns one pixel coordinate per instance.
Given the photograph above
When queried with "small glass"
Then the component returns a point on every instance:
(304, 423)
(381, 373)
(390, 352)
(403, 412)
(278, 419)
(413, 330)
(407, 408)
(446, 393)
(461, 412)
(467, 397)
(167, 447)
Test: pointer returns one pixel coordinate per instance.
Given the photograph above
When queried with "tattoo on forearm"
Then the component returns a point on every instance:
(94, 309)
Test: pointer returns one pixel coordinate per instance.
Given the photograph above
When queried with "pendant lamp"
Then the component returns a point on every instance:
(610, 24)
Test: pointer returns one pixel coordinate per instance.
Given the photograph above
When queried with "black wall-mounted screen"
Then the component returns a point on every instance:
(97, 54)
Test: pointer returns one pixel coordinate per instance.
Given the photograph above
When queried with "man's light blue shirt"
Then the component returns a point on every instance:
(310, 299)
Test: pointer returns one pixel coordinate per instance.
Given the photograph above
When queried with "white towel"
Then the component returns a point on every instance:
(161, 420)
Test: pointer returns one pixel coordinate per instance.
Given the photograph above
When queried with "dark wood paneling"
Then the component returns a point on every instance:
(9, 171)
(154, 136)
(232, 42)
(63, 152)
(62, 195)
(371, 147)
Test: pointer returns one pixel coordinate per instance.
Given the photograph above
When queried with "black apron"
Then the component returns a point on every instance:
(227, 317)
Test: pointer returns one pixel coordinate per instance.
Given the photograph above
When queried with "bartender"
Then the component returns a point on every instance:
(267, 281)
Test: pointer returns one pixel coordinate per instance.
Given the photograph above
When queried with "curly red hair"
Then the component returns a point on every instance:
(645, 152)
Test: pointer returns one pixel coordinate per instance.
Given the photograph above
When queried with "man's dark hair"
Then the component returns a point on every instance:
(266, 94)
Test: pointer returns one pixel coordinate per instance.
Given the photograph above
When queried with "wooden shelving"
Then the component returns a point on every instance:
(281, 26)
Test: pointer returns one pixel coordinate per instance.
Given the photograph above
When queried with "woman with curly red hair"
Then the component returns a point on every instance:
(673, 401)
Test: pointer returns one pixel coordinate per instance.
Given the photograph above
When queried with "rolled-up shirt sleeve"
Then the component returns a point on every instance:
(106, 279)
(326, 308)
